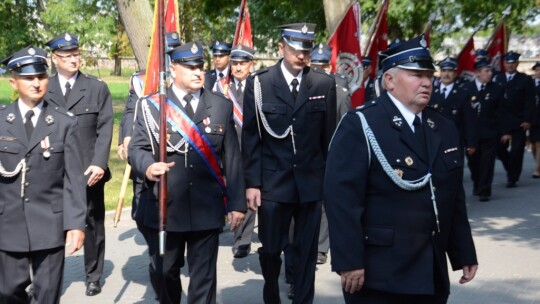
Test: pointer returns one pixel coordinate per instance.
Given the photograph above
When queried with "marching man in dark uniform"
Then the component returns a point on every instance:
(289, 117)
(486, 100)
(518, 109)
(241, 64)
(535, 126)
(202, 148)
(42, 207)
(453, 102)
(393, 189)
(221, 54)
(369, 83)
(90, 100)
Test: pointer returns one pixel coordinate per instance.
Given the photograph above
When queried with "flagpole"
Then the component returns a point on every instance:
(162, 153)
(235, 41)
(373, 29)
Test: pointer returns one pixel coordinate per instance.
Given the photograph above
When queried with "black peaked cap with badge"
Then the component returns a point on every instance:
(64, 42)
(448, 63)
(410, 55)
(299, 36)
(190, 54)
(511, 57)
(321, 54)
(173, 40)
(28, 61)
(242, 53)
(221, 48)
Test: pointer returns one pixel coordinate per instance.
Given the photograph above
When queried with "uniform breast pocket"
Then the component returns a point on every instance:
(452, 161)
(86, 114)
(315, 106)
(9, 154)
(215, 133)
(276, 116)
(55, 160)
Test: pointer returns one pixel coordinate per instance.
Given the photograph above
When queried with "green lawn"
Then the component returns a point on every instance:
(119, 91)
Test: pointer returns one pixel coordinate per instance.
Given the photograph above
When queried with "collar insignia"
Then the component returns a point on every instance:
(49, 119)
(10, 117)
(397, 121)
(430, 123)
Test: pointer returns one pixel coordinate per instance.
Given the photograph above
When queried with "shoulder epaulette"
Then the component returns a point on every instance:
(322, 72)
(92, 77)
(259, 72)
(367, 105)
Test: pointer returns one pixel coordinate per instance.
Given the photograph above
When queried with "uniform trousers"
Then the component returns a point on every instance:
(513, 160)
(94, 240)
(274, 223)
(482, 166)
(244, 232)
(202, 251)
(47, 270)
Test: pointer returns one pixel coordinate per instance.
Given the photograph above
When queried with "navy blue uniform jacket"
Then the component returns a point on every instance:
(377, 226)
(270, 163)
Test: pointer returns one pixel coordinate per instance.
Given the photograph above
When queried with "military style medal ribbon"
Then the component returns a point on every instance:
(237, 109)
(196, 138)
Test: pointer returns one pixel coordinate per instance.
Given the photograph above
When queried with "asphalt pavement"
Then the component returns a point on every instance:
(506, 232)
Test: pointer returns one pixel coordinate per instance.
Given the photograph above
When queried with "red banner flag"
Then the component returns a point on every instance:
(151, 80)
(466, 59)
(346, 54)
(379, 41)
(243, 27)
(497, 47)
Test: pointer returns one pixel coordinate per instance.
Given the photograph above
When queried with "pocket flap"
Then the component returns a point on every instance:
(274, 108)
(379, 236)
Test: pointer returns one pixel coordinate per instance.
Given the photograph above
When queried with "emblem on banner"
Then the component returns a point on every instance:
(349, 65)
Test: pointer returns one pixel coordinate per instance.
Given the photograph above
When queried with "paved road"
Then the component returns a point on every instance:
(506, 231)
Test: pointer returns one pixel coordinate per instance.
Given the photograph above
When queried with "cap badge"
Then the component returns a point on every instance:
(239, 47)
(194, 49)
(10, 117)
(67, 37)
(31, 51)
(304, 29)
(423, 42)
(174, 36)
(397, 121)
(49, 119)
(217, 42)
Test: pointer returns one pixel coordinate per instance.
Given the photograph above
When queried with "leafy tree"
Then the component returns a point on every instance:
(19, 29)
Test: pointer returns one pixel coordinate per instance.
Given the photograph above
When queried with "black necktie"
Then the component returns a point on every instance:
(510, 78)
(28, 125)
(189, 109)
(419, 134)
(482, 87)
(443, 93)
(68, 90)
(220, 75)
(294, 91)
(239, 90)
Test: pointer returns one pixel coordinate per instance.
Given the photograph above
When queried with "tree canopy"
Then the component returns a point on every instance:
(98, 24)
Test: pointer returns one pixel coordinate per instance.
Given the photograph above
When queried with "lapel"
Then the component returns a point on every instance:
(16, 126)
(42, 129)
(304, 91)
(433, 138)
(202, 108)
(55, 92)
(280, 86)
(77, 92)
(406, 135)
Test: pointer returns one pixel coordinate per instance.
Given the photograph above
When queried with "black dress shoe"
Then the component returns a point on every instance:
(511, 185)
(240, 253)
(484, 198)
(290, 292)
(93, 289)
(321, 258)
(536, 176)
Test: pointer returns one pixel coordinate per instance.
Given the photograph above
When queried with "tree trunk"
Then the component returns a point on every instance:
(117, 66)
(333, 11)
(136, 16)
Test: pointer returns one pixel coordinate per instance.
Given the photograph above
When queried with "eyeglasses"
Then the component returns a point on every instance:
(67, 57)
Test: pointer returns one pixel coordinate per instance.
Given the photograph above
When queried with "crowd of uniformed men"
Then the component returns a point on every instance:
(383, 182)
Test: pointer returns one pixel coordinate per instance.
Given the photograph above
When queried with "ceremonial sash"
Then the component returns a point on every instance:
(237, 109)
(195, 137)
